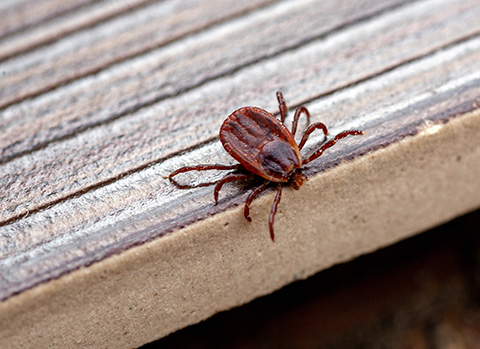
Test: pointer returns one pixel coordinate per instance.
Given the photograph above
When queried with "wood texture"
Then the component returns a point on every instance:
(60, 19)
(92, 121)
(16, 16)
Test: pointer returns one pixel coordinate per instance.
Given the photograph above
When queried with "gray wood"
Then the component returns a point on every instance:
(93, 49)
(155, 76)
(115, 149)
(83, 164)
(36, 23)
(19, 15)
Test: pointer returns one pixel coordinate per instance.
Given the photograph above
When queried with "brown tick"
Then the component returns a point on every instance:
(264, 147)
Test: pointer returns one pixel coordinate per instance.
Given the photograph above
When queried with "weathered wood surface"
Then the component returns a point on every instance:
(43, 22)
(91, 122)
(152, 77)
(18, 15)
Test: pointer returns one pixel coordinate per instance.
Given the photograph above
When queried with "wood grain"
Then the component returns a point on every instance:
(62, 18)
(83, 159)
(18, 15)
(162, 73)
(94, 49)
(102, 153)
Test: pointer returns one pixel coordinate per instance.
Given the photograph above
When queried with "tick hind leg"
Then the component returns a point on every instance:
(227, 179)
(273, 212)
(200, 168)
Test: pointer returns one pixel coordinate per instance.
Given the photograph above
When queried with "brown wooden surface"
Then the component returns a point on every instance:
(92, 120)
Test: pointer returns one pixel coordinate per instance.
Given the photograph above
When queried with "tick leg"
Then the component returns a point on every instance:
(298, 112)
(204, 168)
(310, 129)
(282, 106)
(200, 168)
(251, 196)
(274, 210)
(331, 143)
(226, 179)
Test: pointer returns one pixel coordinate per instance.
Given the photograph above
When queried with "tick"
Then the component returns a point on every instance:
(265, 148)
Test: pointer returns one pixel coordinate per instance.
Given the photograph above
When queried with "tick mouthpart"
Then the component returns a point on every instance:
(297, 179)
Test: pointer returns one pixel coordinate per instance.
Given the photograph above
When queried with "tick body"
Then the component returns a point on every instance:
(265, 148)
(261, 144)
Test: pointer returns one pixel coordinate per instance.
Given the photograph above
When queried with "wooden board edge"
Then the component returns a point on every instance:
(151, 290)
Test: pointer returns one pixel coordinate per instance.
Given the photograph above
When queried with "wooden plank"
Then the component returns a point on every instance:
(19, 15)
(93, 49)
(155, 76)
(91, 123)
(158, 287)
(114, 195)
(63, 112)
(62, 18)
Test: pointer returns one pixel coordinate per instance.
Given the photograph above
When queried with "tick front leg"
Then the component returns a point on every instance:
(251, 196)
(298, 112)
(282, 106)
(331, 143)
(274, 210)
(226, 179)
(310, 129)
